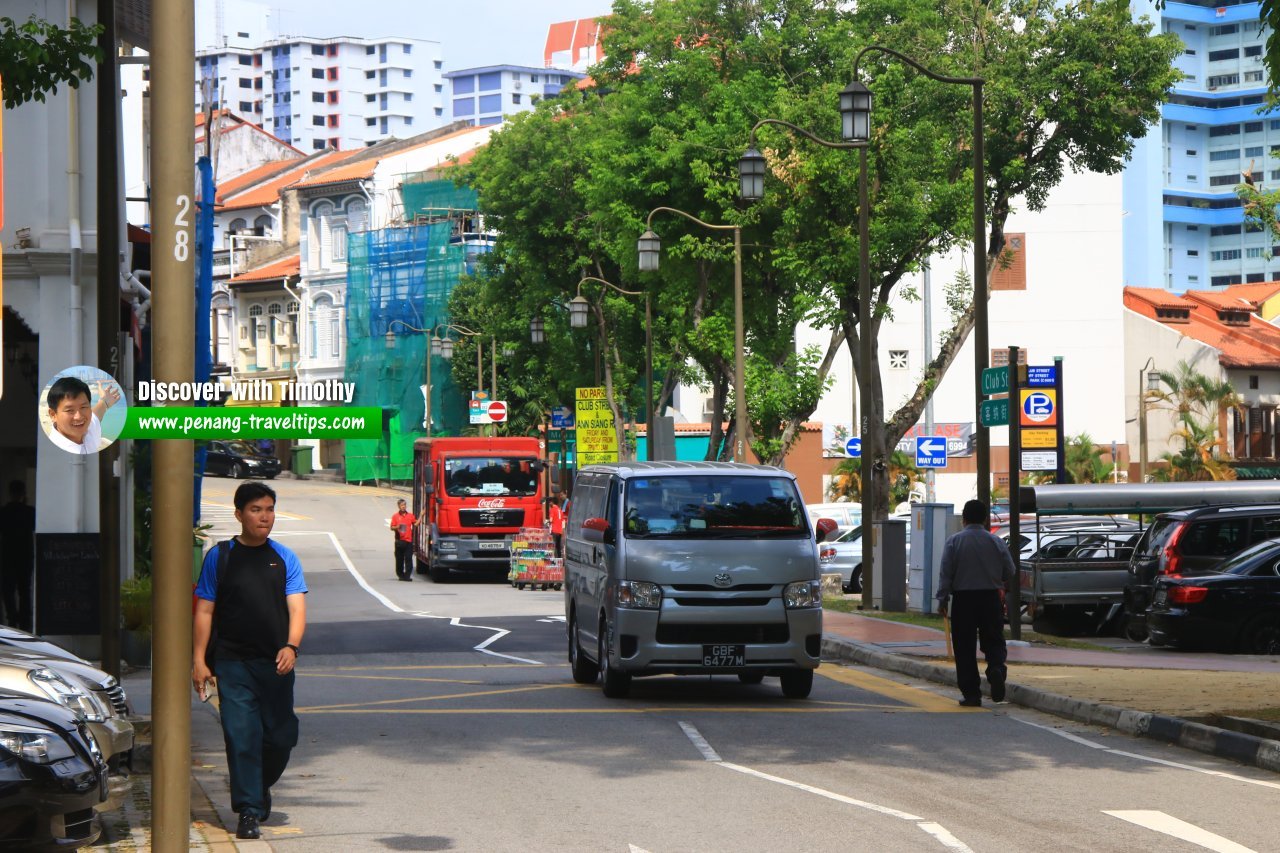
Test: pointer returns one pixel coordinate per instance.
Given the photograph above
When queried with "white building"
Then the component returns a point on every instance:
(484, 95)
(338, 93)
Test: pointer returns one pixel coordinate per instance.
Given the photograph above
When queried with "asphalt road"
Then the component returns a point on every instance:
(443, 717)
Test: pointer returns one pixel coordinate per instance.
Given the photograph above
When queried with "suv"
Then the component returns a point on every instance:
(1191, 542)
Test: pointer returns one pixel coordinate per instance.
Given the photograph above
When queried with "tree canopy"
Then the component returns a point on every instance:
(1069, 86)
(37, 56)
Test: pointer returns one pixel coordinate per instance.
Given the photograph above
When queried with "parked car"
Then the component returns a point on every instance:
(1234, 608)
(1074, 581)
(52, 776)
(843, 554)
(17, 640)
(239, 459)
(1192, 542)
(843, 513)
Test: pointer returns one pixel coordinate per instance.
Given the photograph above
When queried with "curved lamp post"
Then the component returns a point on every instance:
(441, 346)
(578, 309)
(649, 247)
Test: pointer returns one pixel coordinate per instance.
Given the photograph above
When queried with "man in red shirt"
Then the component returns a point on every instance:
(402, 524)
(557, 521)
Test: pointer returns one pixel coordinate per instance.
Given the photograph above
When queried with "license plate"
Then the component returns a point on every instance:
(728, 655)
(486, 546)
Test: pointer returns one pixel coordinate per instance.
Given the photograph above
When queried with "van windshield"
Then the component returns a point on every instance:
(489, 475)
(723, 506)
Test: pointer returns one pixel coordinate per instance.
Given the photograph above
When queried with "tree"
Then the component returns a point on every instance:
(1083, 461)
(1199, 405)
(36, 56)
(902, 475)
(683, 81)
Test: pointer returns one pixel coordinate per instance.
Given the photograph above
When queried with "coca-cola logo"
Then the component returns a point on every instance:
(491, 503)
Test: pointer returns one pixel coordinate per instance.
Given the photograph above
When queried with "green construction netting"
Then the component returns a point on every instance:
(436, 199)
(399, 280)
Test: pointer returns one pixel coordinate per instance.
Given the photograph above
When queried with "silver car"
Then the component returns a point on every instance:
(692, 568)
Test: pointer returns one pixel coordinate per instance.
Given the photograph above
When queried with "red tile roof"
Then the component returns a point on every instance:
(362, 169)
(1253, 344)
(1254, 293)
(247, 179)
(286, 267)
(265, 193)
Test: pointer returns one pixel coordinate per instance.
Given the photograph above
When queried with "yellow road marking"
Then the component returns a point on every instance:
(366, 668)
(913, 696)
(655, 709)
(284, 830)
(401, 678)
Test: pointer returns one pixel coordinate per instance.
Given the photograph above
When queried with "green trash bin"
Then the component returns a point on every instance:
(301, 460)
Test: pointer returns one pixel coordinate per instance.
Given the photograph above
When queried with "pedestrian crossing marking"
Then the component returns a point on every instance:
(917, 698)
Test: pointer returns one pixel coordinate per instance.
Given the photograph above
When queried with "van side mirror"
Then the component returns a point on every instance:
(538, 466)
(826, 528)
(598, 530)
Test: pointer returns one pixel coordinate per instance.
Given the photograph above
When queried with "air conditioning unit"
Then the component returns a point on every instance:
(516, 85)
(245, 335)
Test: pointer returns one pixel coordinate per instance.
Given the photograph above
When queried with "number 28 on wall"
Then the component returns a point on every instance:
(182, 237)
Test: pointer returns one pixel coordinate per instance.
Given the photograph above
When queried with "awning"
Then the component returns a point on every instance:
(1146, 498)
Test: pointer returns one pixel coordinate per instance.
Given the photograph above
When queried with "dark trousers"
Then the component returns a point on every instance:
(15, 591)
(259, 727)
(404, 559)
(977, 613)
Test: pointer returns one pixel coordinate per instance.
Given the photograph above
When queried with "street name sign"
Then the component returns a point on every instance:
(995, 380)
(994, 413)
(1041, 376)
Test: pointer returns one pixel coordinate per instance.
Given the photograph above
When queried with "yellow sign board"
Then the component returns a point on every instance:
(594, 427)
(1039, 438)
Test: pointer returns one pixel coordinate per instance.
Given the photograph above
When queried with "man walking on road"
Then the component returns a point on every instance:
(976, 567)
(250, 598)
(402, 524)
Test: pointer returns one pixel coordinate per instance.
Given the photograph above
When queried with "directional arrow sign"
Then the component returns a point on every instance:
(853, 447)
(931, 451)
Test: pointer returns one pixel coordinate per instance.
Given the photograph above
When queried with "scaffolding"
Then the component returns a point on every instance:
(399, 280)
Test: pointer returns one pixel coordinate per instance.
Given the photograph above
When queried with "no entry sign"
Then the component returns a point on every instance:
(497, 411)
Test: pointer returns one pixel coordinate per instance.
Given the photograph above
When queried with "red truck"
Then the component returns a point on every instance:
(473, 495)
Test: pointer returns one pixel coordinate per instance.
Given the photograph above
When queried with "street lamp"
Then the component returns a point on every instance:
(649, 248)
(578, 308)
(438, 346)
(537, 331)
(1152, 378)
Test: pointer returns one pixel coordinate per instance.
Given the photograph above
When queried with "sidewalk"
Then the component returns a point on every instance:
(1135, 689)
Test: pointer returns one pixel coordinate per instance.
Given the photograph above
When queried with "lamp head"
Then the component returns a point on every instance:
(751, 175)
(855, 112)
(390, 339)
(578, 308)
(435, 345)
(649, 247)
(446, 348)
(537, 331)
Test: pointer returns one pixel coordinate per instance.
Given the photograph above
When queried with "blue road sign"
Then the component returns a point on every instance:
(562, 418)
(1041, 376)
(931, 451)
(1037, 408)
(853, 447)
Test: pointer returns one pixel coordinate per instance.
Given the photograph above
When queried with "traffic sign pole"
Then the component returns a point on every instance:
(1061, 474)
(1013, 594)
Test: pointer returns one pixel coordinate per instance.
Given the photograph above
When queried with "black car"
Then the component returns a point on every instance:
(51, 777)
(1192, 542)
(1235, 609)
(238, 460)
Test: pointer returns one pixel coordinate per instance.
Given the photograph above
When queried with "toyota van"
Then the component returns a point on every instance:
(692, 568)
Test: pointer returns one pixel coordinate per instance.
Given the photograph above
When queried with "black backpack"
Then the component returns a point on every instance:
(224, 554)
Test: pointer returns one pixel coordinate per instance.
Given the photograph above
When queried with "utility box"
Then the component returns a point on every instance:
(889, 547)
(663, 441)
(301, 460)
(931, 524)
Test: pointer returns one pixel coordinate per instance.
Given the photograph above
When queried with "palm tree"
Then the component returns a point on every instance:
(1199, 404)
(846, 478)
(1083, 461)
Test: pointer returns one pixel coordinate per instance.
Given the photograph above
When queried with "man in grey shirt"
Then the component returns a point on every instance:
(976, 567)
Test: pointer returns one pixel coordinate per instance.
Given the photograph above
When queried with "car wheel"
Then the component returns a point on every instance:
(584, 671)
(751, 677)
(1261, 635)
(854, 586)
(237, 471)
(616, 684)
(796, 683)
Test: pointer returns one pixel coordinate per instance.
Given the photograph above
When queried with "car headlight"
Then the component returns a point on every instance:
(68, 695)
(639, 594)
(802, 594)
(43, 746)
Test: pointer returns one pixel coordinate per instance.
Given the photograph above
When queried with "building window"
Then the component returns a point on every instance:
(274, 308)
(318, 121)
(339, 242)
(255, 310)
(407, 73)
(1220, 55)
(408, 96)
(1224, 280)
(1224, 180)
(317, 50)
(1255, 278)
(331, 74)
(245, 107)
(370, 122)
(1224, 29)
(1193, 279)
(438, 64)
(439, 111)
(318, 145)
(1010, 272)
(1224, 154)
(1224, 230)
(1253, 50)
(1193, 253)
(1223, 80)
(1191, 152)
(408, 121)
(1224, 130)
(1254, 252)
(317, 97)
(369, 75)
(490, 104)
(1253, 382)
(898, 359)
(332, 97)
(1253, 127)
(368, 51)
(317, 73)
(246, 83)
(333, 121)
(438, 87)
(1225, 255)
(490, 81)
(1253, 151)
(533, 78)
(245, 59)
(515, 98)
(408, 49)
(464, 106)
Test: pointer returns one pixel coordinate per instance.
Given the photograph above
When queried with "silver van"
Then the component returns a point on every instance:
(692, 568)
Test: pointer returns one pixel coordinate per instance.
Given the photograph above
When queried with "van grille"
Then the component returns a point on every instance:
(116, 696)
(706, 587)
(677, 634)
(79, 824)
(721, 602)
(491, 517)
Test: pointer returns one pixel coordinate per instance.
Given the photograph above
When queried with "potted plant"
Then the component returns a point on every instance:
(135, 618)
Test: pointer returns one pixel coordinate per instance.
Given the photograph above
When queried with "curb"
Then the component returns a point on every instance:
(1246, 749)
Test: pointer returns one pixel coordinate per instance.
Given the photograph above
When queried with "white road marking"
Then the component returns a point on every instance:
(631, 848)
(1180, 829)
(456, 621)
(936, 830)
(1222, 774)
(553, 619)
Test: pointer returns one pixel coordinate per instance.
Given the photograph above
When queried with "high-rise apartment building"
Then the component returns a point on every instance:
(1184, 227)
(484, 95)
(329, 93)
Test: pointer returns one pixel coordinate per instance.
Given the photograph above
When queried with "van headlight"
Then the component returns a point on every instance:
(43, 746)
(68, 695)
(802, 594)
(640, 595)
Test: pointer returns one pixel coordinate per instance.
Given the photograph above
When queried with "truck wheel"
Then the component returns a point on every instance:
(419, 566)
(584, 671)
(616, 684)
(437, 572)
(796, 683)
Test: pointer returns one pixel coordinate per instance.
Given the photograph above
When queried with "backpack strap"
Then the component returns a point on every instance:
(224, 555)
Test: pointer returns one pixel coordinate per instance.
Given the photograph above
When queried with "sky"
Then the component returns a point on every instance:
(472, 33)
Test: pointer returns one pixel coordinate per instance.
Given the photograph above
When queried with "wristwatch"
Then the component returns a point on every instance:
(295, 649)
